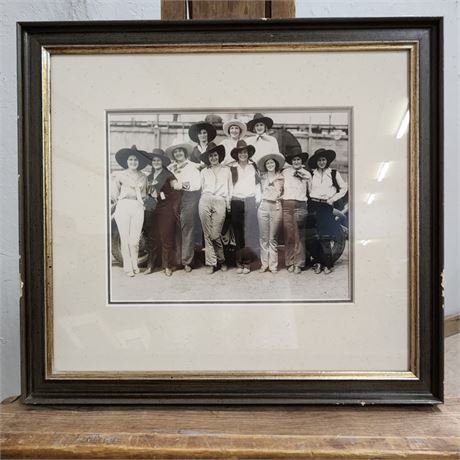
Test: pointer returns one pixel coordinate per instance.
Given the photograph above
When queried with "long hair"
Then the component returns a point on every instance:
(277, 165)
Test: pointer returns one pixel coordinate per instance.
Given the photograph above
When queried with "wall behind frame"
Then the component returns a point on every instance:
(87, 10)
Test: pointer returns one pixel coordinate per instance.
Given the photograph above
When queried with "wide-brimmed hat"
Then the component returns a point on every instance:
(259, 118)
(211, 147)
(241, 145)
(159, 153)
(197, 127)
(122, 157)
(320, 153)
(178, 145)
(270, 156)
(296, 151)
(234, 122)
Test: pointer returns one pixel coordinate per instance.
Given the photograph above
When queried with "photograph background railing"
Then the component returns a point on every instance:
(149, 134)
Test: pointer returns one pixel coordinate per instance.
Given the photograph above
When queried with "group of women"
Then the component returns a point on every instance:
(244, 185)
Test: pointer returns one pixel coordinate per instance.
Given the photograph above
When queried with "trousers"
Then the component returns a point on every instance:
(321, 252)
(211, 209)
(187, 220)
(294, 226)
(244, 224)
(328, 230)
(270, 217)
(159, 230)
(129, 216)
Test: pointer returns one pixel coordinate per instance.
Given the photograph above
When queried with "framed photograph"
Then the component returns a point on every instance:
(183, 247)
(231, 212)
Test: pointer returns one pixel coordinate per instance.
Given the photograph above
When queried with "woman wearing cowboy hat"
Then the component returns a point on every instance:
(270, 214)
(129, 191)
(245, 197)
(189, 183)
(160, 222)
(235, 130)
(202, 133)
(262, 141)
(216, 186)
(294, 202)
(326, 187)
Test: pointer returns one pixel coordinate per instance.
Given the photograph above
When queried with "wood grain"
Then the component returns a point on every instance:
(264, 432)
(228, 9)
(452, 325)
(283, 8)
(173, 10)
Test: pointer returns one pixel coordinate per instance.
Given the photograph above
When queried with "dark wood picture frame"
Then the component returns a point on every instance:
(426, 388)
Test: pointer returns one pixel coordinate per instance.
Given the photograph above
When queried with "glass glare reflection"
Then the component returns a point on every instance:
(383, 170)
(403, 126)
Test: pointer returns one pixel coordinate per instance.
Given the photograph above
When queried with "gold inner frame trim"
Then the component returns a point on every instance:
(46, 132)
(248, 375)
(411, 47)
(231, 47)
(413, 210)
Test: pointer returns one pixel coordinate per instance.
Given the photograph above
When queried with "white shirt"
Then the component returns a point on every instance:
(217, 181)
(264, 144)
(246, 186)
(201, 148)
(129, 186)
(188, 171)
(271, 186)
(295, 188)
(322, 187)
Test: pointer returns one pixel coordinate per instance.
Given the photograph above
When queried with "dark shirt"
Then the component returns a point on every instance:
(166, 195)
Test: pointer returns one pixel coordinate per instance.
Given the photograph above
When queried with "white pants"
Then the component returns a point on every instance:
(270, 217)
(129, 216)
(212, 214)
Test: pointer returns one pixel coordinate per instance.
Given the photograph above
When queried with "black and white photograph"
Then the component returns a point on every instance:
(234, 206)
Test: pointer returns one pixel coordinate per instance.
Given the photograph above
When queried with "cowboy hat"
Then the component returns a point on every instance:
(259, 118)
(178, 145)
(197, 127)
(296, 151)
(241, 145)
(220, 149)
(159, 153)
(321, 153)
(234, 122)
(122, 157)
(270, 156)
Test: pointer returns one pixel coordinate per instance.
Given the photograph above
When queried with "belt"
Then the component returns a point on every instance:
(212, 194)
(318, 200)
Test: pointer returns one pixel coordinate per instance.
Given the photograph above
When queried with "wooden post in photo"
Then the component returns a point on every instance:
(226, 9)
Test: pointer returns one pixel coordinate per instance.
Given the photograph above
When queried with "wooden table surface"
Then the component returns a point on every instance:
(238, 432)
